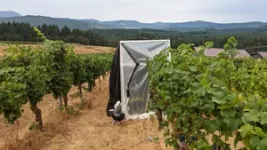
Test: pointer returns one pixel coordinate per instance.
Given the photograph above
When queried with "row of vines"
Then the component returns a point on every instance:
(27, 74)
(202, 96)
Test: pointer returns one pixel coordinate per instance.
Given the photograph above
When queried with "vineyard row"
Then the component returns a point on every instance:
(221, 96)
(27, 74)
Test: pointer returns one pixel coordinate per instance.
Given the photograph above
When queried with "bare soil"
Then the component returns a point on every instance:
(85, 49)
(2, 48)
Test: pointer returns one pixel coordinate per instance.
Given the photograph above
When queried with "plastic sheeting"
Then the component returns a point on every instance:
(134, 75)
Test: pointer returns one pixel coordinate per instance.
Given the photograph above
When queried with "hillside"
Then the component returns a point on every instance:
(182, 26)
(6, 14)
(61, 22)
(128, 24)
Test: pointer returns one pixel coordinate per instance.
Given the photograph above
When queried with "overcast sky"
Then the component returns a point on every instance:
(144, 10)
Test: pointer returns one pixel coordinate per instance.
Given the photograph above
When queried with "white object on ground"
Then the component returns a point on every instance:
(142, 116)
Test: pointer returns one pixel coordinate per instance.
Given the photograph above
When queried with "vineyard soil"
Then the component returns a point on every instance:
(83, 49)
(2, 50)
(90, 129)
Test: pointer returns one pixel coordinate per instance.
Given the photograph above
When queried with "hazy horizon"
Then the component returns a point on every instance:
(149, 11)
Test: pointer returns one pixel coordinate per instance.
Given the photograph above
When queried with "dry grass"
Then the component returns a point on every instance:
(82, 49)
(91, 129)
(2, 48)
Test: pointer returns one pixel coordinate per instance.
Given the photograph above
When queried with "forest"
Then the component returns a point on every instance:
(23, 32)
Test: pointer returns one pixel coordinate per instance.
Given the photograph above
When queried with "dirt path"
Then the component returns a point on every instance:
(91, 129)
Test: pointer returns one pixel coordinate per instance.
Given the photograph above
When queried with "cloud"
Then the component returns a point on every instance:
(144, 10)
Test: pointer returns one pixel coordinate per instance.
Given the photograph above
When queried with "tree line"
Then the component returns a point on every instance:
(110, 37)
(245, 38)
(24, 32)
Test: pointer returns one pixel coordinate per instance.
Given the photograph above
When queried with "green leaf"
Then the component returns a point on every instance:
(227, 105)
(259, 132)
(263, 144)
(231, 97)
(210, 127)
(263, 118)
(251, 116)
(218, 97)
(254, 141)
(216, 100)
(202, 145)
(192, 68)
(228, 112)
(195, 86)
(246, 130)
(200, 92)
(232, 123)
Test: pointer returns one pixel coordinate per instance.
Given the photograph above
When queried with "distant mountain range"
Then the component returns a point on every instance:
(10, 16)
(6, 14)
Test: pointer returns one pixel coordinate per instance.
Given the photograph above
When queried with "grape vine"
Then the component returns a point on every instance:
(221, 96)
(27, 74)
